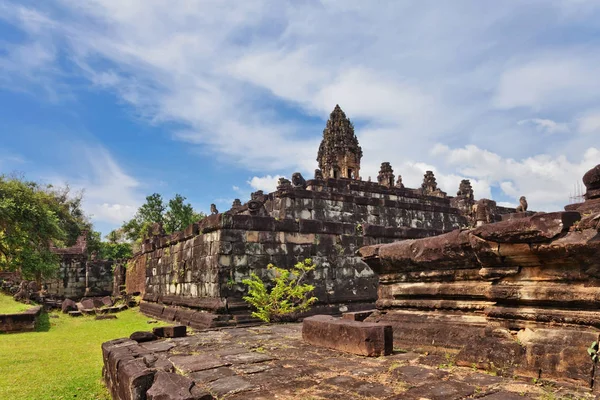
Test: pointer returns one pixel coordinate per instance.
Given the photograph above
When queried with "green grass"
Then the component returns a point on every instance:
(63, 359)
(9, 306)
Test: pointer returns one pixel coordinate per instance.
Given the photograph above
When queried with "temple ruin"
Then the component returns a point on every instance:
(195, 276)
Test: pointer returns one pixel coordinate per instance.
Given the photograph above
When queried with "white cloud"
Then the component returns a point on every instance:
(548, 81)
(546, 125)
(246, 82)
(110, 195)
(266, 183)
(590, 123)
(546, 181)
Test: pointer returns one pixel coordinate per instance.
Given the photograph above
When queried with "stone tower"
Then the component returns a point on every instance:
(339, 153)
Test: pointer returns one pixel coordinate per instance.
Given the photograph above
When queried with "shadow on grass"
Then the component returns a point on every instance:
(43, 323)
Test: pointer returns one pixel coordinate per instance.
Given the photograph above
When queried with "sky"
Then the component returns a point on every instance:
(216, 99)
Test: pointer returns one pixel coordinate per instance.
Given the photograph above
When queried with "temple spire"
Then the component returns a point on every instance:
(339, 153)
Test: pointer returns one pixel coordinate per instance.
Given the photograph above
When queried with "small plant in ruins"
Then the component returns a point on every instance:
(286, 296)
(593, 352)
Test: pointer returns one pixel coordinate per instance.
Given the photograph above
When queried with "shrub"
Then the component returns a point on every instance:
(286, 297)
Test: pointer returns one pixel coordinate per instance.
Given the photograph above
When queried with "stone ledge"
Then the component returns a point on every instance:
(361, 338)
(20, 322)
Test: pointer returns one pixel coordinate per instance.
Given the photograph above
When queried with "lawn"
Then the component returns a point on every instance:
(9, 306)
(63, 359)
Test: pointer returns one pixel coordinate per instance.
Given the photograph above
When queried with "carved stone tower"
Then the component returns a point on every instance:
(386, 175)
(339, 153)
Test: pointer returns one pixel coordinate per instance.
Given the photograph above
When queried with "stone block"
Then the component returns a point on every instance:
(357, 315)
(170, 331)
(362, 338)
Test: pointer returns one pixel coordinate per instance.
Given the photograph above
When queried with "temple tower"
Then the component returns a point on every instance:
(339, 153)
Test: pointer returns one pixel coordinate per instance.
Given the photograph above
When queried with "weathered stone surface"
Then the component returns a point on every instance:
(296, 370)
(367, 339)
(441, 390)
(229, 385)
(88, 304)
(142, 337)
(68, 305)
(480, 290)
(20, 322)
(537, 228)
(360, 387)
(170, 386)
(170, 331)
(416, 375)
(187, 364)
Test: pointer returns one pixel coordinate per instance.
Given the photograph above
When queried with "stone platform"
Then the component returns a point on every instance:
(272, 362)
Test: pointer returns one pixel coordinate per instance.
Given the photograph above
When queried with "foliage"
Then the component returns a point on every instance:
(58, 339)
(177, 215)
(34, 217)
(593, 352)
(287, 295)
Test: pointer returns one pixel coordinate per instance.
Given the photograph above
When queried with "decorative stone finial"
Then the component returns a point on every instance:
(522, 207)
(318, 174)
(399, 183)
(298, 181)
(236, 203)
(429, 185)
(339, 153)
(465, 189)
(284, 184)
(258, 195)
(213, 209)
(591, 180)
(386, 175)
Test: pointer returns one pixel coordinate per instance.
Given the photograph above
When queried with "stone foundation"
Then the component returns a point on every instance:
(521, 294)
(273, 362)
(20, 322)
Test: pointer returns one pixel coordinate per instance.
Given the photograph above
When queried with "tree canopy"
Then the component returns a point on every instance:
(176, 215)
(33, 218)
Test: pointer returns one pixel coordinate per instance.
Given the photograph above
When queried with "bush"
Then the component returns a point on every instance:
(287, 295)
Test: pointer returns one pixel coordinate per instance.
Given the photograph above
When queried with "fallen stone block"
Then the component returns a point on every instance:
(170, 331)
(357, 316)
(75, 313)
(142, 336)
(68, 305)
(362, 338)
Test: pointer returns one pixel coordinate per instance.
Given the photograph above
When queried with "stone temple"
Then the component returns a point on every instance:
(195, 276)
(430, 288)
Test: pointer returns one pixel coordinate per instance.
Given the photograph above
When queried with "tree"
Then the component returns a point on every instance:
(180, 215)
(33, 218)
(176, 216)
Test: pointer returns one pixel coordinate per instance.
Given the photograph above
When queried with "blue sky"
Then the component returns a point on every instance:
(215, 99)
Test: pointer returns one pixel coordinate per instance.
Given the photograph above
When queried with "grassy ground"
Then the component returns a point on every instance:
(9, 306)
(63, 359)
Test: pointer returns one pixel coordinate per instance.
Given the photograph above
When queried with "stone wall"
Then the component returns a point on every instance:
(20, 322)
(328, 221)
(78, 275)
(520, 295)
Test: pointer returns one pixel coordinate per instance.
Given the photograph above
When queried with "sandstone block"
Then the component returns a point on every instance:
(141, 336)
(362, 338)
(170, 331)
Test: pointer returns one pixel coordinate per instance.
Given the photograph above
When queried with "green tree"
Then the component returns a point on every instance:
(177, 215)
(150, 212)
(33, 218)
